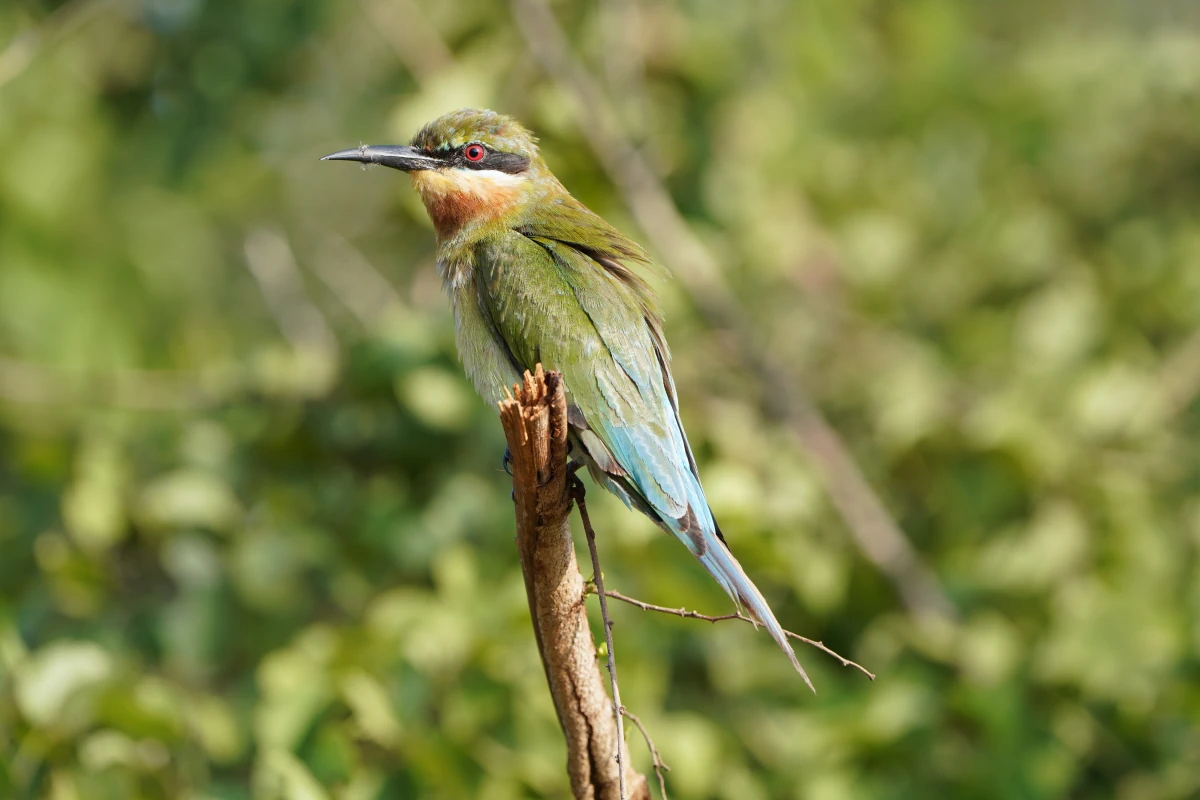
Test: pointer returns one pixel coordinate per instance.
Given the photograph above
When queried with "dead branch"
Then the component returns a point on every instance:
(660, 766)
(535, 424)
(682, 612)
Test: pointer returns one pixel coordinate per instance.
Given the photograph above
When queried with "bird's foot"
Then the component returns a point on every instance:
(574, 483)
(572, 468)
(506, 462)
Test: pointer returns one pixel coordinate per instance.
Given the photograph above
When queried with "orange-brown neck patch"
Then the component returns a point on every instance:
(455, 197)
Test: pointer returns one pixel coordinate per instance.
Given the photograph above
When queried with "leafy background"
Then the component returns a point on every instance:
(255, 539)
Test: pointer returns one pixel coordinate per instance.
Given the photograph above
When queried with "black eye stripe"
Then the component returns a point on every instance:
(512, 163)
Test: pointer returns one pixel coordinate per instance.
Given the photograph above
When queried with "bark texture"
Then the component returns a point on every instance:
(535, 424)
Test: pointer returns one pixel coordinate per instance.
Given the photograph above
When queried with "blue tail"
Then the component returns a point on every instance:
(696, 528)
(704, 540)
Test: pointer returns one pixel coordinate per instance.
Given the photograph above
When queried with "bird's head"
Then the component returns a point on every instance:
(469, 166)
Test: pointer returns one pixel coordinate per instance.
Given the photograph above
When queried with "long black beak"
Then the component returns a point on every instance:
(402, 157)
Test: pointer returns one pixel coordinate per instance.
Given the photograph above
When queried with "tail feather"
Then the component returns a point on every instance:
(697, 529)
(710, 549)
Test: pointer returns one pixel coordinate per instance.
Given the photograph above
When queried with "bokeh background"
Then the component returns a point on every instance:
(254, 536)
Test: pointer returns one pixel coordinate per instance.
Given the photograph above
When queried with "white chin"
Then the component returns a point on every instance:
(482, 180)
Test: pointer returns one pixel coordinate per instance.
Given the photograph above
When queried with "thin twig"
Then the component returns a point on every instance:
(579, 493)
(683, 612)
(871, 526)
(660, 766)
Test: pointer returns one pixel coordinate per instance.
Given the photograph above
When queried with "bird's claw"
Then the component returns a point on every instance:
(506, 462)
(575, 485)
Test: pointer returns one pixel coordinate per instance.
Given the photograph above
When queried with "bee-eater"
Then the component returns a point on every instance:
(534, 276)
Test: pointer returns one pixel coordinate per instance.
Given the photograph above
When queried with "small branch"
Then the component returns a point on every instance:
(535, 425)
(660, 766)
(580, 495)
(682, 612)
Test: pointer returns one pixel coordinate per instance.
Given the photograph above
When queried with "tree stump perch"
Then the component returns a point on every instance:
(535, 424)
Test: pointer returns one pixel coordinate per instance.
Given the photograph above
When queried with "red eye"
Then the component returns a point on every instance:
(474, 152)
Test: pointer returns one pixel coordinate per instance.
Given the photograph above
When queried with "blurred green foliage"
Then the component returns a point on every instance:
(255, 537)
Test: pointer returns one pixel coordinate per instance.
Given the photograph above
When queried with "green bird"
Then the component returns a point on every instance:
(534, 276)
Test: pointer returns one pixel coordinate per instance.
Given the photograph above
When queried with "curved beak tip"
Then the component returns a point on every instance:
(401, 157)
(357, 154)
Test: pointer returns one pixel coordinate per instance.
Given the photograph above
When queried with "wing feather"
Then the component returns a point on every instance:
(551, 301)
